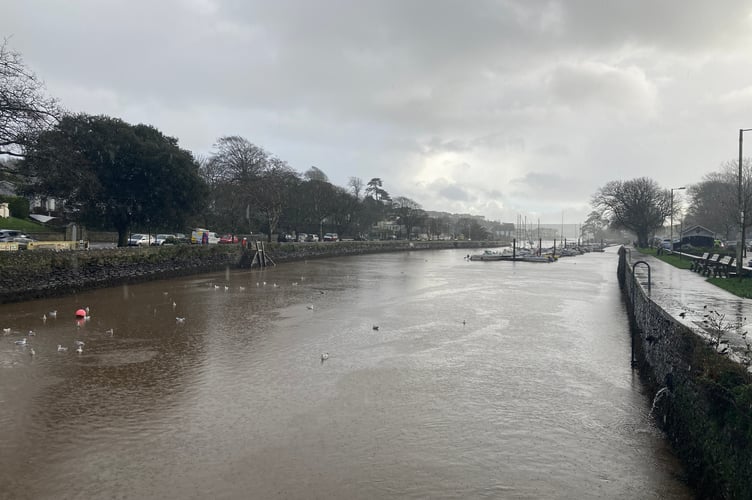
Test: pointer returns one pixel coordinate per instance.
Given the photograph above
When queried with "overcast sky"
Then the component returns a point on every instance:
(490, 107)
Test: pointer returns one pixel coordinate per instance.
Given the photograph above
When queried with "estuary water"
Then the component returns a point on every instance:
(444, 379)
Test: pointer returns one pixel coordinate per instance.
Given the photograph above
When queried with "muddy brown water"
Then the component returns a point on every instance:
(483, 380)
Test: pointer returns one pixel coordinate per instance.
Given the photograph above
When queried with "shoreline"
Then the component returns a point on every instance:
(35, 274)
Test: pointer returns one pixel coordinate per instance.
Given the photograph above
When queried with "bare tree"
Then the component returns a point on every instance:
(715, 200)
(409, 213)
(238, 159)
(25, 109)
(638, 205)
(356, 186)
(272, 194)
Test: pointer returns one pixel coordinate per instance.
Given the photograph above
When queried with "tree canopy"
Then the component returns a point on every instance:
(113, 174)
(638, 205)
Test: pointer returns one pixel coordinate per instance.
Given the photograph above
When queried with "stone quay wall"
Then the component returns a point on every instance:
(703, 400)
(28, 275)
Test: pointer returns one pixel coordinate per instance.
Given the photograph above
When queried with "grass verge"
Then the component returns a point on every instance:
(21, 225)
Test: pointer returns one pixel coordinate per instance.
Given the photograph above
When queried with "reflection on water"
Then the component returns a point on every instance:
(483, 379)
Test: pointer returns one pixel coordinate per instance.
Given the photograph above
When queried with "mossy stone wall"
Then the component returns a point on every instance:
(705, 407)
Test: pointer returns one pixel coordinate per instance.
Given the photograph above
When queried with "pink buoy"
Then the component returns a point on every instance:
(81, 313)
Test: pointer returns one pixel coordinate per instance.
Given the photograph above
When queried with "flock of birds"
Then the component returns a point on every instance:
(82, 315)
(78, 345)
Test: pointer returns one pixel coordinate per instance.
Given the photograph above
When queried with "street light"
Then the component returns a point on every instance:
(740, 246)
(672, 219)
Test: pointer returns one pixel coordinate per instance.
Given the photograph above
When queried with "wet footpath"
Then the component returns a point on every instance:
(689, 297)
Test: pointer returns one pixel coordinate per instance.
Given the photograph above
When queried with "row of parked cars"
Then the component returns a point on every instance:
(142, 240)
(301, 237)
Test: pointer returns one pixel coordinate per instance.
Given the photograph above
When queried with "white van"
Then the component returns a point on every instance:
(197, 236)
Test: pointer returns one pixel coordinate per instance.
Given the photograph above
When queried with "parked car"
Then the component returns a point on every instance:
(161, 239)
(139, 240)
(312, 237)
(302, 237)
(331, 237)
(229, 238)
(15, 236)
(283, 237)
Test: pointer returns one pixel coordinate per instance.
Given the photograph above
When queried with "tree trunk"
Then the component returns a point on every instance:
(642, 239)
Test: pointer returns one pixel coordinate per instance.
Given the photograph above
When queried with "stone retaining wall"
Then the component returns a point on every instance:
(703, 400)
(26, 275)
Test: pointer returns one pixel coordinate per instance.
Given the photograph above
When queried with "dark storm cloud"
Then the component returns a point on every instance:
(480, 95)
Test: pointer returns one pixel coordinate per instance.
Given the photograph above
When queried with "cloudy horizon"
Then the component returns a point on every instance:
(493, 107)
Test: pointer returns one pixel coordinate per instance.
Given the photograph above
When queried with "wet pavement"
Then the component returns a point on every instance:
(688, 296)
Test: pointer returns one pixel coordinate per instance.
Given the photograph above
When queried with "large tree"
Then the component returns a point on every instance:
(376, 191)
(595, 226)
(113, 174)
(233, 172)
(637, 205)
(275, 183)
(25, 109)
(715, 200)
(409, 214)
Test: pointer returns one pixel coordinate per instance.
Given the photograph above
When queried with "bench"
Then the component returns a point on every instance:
(724, 267)
(709, 264)
(698, 262)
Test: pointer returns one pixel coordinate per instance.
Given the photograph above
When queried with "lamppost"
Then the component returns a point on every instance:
(740, 246)
(672, 219)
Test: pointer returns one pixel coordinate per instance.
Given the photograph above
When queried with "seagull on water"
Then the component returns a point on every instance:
(309, 307)
(44, 318)
(6, 331)
(53, 314)
(32, 352)
(375, 327)
(61, 348)
(324, 356)
(179, 320)
(78, 343)
(241, 288)
(79, 349)
(174, 305)
(110, 332)
(21, 342)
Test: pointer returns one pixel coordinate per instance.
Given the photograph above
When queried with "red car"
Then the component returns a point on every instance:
(229, 238)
